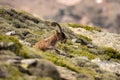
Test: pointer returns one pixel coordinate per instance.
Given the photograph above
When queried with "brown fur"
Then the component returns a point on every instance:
(50, 42)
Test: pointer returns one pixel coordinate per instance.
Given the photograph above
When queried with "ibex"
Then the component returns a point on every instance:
(50, 42)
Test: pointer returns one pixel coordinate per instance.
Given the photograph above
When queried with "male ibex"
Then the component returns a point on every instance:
(50, 42)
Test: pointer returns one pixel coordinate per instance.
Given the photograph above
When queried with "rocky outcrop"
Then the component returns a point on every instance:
(108, 66)
(101, 38)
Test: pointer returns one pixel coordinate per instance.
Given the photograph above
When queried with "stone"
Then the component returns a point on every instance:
(43, 68)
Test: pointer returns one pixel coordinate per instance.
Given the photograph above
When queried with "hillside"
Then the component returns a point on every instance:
(100, 13)
(80, 58)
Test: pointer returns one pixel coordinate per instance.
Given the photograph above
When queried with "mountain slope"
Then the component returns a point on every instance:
(19, 31)
(100, 13)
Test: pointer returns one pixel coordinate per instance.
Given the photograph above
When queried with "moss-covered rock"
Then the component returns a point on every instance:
(76, 50)
(111, 53)
(84, 27)
(10, 43)
(43, 68)
(10, 72)
(83, 62)
(82, 76)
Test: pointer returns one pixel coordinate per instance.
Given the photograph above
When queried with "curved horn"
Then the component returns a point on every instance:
(56, 24)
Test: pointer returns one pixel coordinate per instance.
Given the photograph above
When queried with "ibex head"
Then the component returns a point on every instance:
(60, 34)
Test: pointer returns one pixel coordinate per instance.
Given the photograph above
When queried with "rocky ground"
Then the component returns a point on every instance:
(100, 38)
(82, 57)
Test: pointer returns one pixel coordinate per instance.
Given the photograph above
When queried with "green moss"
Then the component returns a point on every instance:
(62, 62)
(111, 53)
(58, 60)
(84, 53)
(6, 13)
(30, 17)
(16, 47)
(85, 27)
(88, 71)
(7, 38)
(19, 24)
(65, 47)
(19, 18)
(76, 50)
(28, 52)
(44, 78)
(12, 73)
(69, 42)
(82, 47)
(38, 32)
(84, 37)
(15, 74)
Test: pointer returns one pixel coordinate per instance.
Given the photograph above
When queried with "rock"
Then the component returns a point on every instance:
(107, 76)
(9, 57)
(82, 76)
(91, 45)
(24, 42)
(6, 53)
(3, 45)
(66, 74)
(43, 68)
(82, 41)
(73, 40)
(84, 62)
(8, 71)
(25, 33)
(10, 33)
(6, 45)
(104, 39)
(3, 71)
(28, 61)
(108, 65)
(94, 51)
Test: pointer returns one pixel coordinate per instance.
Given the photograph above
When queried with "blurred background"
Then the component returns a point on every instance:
(100, 13)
